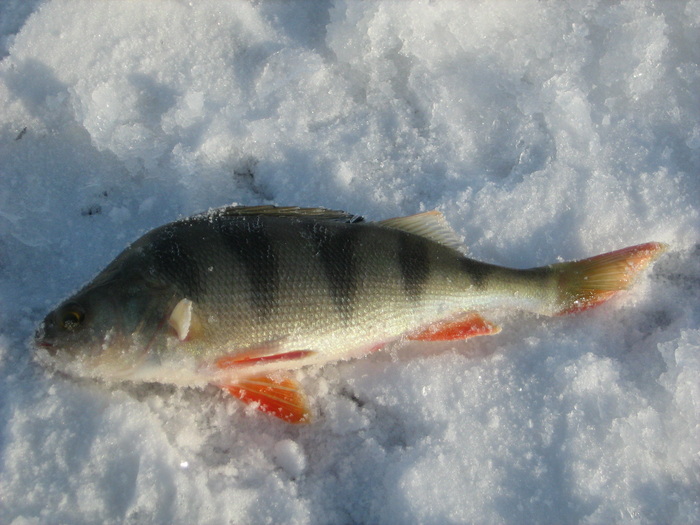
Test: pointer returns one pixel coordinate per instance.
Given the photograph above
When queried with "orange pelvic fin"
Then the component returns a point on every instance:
(281, 398)
(254, 358)
(590, 282)
(470, 325)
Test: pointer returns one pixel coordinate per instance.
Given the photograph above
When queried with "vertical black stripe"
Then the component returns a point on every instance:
(414, 264)
(337, 250)
(478, 272)
(251, 245)
(174, 262)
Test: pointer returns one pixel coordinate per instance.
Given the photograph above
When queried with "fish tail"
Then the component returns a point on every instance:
(587, 283)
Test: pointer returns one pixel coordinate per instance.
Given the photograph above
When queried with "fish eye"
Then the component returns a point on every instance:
(72, 317)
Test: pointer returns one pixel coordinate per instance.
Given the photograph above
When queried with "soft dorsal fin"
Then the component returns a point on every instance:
(282, 211)
(430, 225)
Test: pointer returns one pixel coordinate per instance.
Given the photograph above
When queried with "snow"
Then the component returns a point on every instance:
(543, 131)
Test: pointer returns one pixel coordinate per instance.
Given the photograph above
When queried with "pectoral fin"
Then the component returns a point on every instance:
(184, 321)
(470, 325)
(281, 398)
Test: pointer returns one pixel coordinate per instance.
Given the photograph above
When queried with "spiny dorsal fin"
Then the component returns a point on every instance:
(282, 211)
(430, 225)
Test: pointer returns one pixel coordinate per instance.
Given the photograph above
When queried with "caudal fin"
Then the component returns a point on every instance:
(590, 282)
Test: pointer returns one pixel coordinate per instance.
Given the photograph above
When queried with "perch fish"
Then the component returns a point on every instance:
(240, 296)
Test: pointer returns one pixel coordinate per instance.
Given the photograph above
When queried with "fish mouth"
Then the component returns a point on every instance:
(41, 339)
(48, 346)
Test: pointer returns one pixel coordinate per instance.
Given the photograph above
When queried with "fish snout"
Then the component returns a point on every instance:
(40, 338)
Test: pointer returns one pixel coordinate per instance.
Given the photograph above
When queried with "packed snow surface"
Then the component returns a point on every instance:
(544, 131)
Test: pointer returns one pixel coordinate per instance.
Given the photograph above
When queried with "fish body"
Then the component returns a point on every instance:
(240, 296)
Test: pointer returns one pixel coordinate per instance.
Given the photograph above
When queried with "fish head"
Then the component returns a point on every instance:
(106, 329)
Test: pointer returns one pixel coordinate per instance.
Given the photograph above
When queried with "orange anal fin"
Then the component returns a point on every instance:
(587, 283)
(249, 359)
(281, 398)
(455, 329)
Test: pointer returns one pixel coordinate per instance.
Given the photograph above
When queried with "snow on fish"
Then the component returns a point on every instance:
(240, 296)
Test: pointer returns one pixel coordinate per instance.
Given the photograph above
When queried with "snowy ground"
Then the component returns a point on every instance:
(543, 131)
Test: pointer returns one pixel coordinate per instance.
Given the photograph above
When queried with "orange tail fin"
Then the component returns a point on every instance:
(590, 282)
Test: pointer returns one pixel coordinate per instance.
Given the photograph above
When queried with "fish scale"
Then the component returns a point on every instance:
(240, 296)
